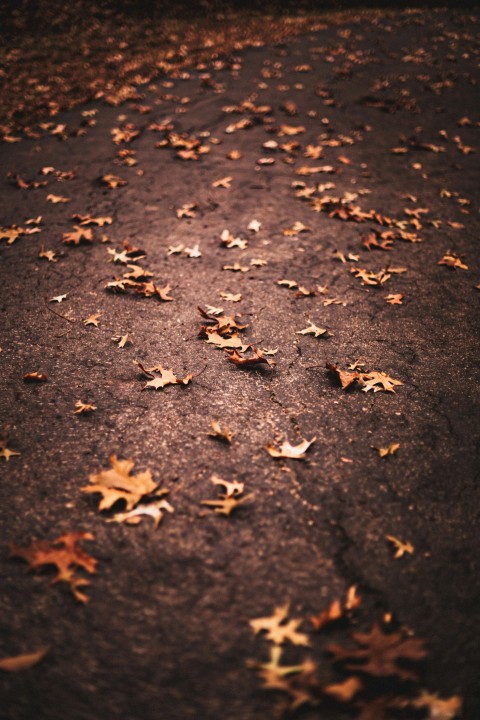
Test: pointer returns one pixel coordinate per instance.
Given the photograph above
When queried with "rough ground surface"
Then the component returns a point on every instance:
(165, 633)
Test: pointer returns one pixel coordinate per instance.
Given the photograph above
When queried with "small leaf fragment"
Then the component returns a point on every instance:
(401, 548)
(22, 662)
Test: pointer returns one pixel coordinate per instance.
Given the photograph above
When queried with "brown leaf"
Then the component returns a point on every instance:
(278, 629)
(439, 709)
(22, 662)
(295, 452)
(83, 408)
(379, 653)
(400, 547)
(312, 329)
(344, 691)
(253, 361)
(161, 377)
(35, 377)
(65, 554)
(117, 483)
(92, 320)
(78, 235)
(220, 434)
(452, 260)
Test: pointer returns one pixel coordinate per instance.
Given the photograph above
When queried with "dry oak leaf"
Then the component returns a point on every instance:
(379, 653)
(5, 452)
(290, 130)
(230, 500)
(295, 452)
(453, 261)
(278, 628)
(113, 181)
(57, 199)
(312, 329)
(154, 509)
(344, 691)
(78, 235)
(89, 220)
(230, 297)
(233, 341)
(83, 408)
(49, 255)
(160, 377)
(337, 609)
(232, 488)
(122, 340)
(35, 377)
(220, 433)
(400, 547)
(439, 709)
(346, 377)
(186, 211)
(378, 381)
(22, 662)
(92, 320)
(375, 380)
(258, 358)
(11, 234)
(299, 682)
(66, 554)
(224, 182)
(394, 299)
(297, 227)
(390, 450)
(117, 483)
(236, 267)
(254, 226)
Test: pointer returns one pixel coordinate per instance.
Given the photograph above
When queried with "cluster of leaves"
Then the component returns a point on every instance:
(223, 331)
(376, 674)
(136, 277)
(374, 380)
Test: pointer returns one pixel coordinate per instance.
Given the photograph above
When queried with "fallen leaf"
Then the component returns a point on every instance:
(57, 199)
(78, 235)
(394, 299)
(83, 408)
(230, 297)
(160, 377)
(224, 182)
(92, 320)
(65, 554)
(219, 433)
(47, 254)
(389, 450)
(257, 358)
(295, 452)
(113, 181)
(22, 662)
(278, 629)
(438, 708)
(344, 691)
(379, 653)
(400, 547)
(154, 509)
(5, 452)
(312, 329)
(453, 261)
(118, 484)
(58, 298)
(122, 340)
(35, 377)
(230, 500)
